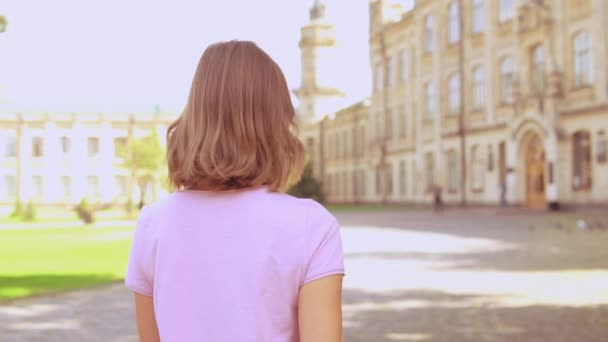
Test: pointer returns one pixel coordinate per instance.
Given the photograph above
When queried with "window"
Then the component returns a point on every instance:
(66, 145)
(362, 140)
(10, 186)
(583, 65)
(379, 77)
(346, 143)
(37, 186)
(388, 124)
(507, 78)
(454, 22)
(405, 65)
(389, 179)
(10, 147)
(581, 155)
(92, 147)
(378, 180)
(430, 101)
(538, 69)
(121, 185)
(428, 33)
(37, 147)
(506, 10)
(477, 169)
(479, 90)
(92, 187)
(392, 70)
(402, 178)
(478, 16)
(402, 121)
(454, 94)
(120, 144)
(430, 171)
(66, 186)
(453, 173)
(602, 147)
(363, 183)
(490, 159)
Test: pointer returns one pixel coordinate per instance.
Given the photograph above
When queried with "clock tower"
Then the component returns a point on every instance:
(317, 94)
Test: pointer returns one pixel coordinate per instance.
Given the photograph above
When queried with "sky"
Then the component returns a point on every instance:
(134, 55)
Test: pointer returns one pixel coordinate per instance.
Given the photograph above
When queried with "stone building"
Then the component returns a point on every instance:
(484, 101)
(61, 158)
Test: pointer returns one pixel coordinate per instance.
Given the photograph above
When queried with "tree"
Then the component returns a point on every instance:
(308, 186)
(144, 159)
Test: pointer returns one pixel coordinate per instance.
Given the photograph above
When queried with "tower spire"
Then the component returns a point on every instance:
(318, 10)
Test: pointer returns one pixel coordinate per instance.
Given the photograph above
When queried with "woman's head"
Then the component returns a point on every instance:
(237, 130)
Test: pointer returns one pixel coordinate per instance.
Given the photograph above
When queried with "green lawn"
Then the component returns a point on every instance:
(61, 215)
(47, 260)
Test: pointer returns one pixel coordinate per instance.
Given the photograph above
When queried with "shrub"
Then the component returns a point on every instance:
(17, 210)
(85, 212)
(129, 206)
(29, 214)
(308, 186)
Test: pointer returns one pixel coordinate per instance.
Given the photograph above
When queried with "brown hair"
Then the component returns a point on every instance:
(238, 128)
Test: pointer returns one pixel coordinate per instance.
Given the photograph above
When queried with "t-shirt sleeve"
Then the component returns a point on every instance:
(139, 277)
(326, 243)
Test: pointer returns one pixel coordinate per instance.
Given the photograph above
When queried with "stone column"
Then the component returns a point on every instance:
(551, 150)
(79, 162)
(51, 185)
(511, 161)
(106, 163)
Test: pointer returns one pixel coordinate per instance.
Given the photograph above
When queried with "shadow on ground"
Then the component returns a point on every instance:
(26, 285)
(439, 316)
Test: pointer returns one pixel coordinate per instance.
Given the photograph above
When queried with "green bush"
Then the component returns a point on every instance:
(17, 210)
(308, 186)
(129, 206)
(29, 214)
(85, 212)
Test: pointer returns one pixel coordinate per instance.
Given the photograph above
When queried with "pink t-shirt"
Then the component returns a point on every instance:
(228, 266)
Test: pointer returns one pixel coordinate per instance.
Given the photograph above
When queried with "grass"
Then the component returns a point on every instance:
(34, 262)
(55, 215)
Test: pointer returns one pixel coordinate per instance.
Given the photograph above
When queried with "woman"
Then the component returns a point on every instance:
(228, 256)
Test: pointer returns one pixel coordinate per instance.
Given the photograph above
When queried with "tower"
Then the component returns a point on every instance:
(318, 94)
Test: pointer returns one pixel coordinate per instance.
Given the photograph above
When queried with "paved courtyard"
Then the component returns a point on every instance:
(475, 275)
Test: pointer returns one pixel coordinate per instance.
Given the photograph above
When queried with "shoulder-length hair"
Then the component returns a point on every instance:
(238, 129)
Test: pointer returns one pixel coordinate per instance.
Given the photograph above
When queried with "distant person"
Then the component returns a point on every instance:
(437, 200)
(228, 256)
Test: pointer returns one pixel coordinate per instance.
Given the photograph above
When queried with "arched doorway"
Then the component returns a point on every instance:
(535, 171)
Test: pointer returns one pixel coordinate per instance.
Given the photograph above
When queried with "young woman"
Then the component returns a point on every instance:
(228, 256)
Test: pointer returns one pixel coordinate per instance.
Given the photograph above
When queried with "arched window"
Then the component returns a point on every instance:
(428, 33)
(506, 10)
(479, 91)
(430, 101)
(453, 173)
(454, 93)
(477, 168)
(583, 60)
(430, 171)
(581, 160)
(538, 69)
(478, 16)
(405, 65)
(507, 78)
(454, 22)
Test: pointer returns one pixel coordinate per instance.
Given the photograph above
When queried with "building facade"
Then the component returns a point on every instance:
(482, 101)
(61, 158)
